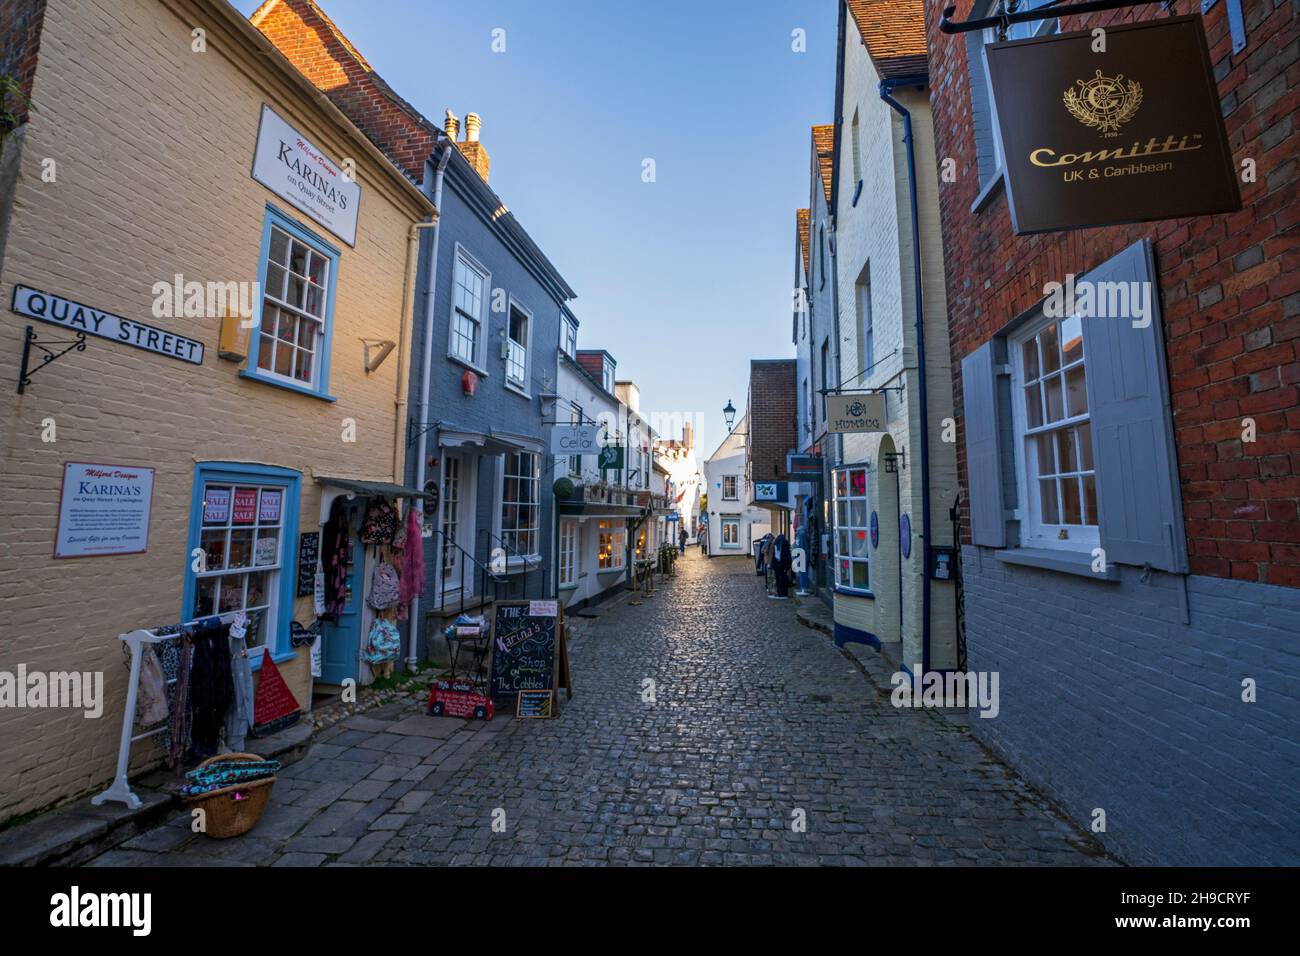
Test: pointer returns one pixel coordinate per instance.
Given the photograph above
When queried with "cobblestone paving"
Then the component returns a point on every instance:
(757, 723)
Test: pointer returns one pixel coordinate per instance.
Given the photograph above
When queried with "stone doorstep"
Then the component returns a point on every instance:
(79, 831)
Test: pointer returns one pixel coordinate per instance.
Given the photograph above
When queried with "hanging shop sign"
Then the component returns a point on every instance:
(575, 440)
(104, 510)
(771, 491)
(610, 458)
(288, 164)
(79, 317)
(1132, 134)
(855, 413)
(799, 463)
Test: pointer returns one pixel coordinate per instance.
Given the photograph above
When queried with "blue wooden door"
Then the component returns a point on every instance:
(341, 640)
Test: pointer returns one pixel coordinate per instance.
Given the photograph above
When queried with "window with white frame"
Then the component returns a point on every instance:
(729, 526)
(520, 503)
(612, 550)
(569, 339)
(243, 546)
(469, 294)
(730, 488)
(1055, 434)
(517, 347)
(607, 376)
(295, 293)
(852, 514)
(568, 553)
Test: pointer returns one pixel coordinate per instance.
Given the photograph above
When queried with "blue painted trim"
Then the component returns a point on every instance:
(851, 635)
(235, 472)
(277, 217)
(852, 592)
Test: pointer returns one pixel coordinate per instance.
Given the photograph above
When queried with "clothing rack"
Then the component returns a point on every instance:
(120, 789)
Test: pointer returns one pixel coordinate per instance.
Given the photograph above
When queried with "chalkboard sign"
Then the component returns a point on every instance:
(525, 647)
(534, 704)
(308, 552)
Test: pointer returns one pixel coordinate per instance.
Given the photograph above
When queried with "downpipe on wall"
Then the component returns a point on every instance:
(887, 87)
(443, 153)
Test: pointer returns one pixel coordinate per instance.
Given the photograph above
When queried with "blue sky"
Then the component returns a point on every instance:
(683, 280)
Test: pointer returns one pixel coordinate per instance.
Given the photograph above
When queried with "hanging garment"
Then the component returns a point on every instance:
(411, 567)
(178, 740)
(239, 716)
(781, 563)
(336, 556)
(385, 588)
(384, 644)
(211, 688)
(151, 690)
(380, 523)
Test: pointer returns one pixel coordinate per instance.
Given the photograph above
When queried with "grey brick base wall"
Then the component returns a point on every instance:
(1109, 700)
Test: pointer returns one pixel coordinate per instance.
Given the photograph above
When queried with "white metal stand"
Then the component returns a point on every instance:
(120, 788)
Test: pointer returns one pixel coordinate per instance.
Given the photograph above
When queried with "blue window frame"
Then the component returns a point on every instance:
(241, 549)
(298, 274)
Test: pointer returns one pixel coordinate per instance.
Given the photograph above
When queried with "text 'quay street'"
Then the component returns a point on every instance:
(708, 726)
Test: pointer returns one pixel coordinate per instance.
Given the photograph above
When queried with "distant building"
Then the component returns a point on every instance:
(734, 524)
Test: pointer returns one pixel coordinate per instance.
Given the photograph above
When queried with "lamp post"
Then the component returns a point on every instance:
(729, 414)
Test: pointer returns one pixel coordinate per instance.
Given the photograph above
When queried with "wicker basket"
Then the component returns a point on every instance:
(233, 811)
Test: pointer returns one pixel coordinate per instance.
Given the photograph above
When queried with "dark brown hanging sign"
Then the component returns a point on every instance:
(1131, 134)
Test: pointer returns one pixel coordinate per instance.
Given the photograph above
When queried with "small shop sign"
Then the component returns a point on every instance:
(1131, 133)
(855, 413)
(771, 491)
(79, 317)
(104, 510)
(459, 698)
(290, 165)
(575, 439)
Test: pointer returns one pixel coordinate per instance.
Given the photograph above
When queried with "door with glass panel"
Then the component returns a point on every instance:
(457, 495)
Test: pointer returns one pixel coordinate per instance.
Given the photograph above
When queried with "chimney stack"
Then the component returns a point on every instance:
(472, 148)
(452, 126)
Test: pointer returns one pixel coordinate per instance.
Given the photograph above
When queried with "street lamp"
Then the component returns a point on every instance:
(729, 413)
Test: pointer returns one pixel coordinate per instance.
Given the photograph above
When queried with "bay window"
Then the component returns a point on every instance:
(852, 516)
(520, 504)
(612, 544)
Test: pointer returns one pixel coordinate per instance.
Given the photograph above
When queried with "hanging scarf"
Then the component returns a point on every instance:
(335, 552)
(411, 567)
(178, 740)
(211, 689)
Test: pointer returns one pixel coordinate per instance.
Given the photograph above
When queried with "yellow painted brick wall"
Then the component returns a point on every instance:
(154, 145)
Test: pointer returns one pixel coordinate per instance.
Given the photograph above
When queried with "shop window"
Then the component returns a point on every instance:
(730, 486)
(852, 532)
(613, 545)
(520, 504)
(568, 554)
(517, 347)
(1054, 430)
(242, 525)
(729, 526)
(470, 286)
(291, 343)
(641, 542)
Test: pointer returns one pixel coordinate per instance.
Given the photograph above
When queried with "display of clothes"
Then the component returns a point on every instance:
(336, 558)
(781, 564)
(226, 773)
(239, 717)
(211, 687)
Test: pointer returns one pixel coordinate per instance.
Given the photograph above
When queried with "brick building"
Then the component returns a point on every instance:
(165, 472)
(1173, 450)
(773, 420)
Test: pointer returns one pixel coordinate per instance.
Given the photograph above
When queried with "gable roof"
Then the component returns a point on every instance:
(894, 32)
(802, 219)
(823, 139)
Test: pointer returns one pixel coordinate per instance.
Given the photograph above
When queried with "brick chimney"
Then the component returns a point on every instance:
(471, 147)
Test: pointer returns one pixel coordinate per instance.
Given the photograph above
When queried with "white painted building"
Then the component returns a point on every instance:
(877, 491)
(733, 523)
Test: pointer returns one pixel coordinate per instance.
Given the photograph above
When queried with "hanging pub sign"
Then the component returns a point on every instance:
(1131, 134)
(286, 163)
(575, 440)
(855, 413)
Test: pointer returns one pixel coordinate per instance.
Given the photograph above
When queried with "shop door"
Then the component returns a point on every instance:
(457, 523)
(341, 640)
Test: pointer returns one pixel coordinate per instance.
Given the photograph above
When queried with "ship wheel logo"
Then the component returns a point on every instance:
(857, 409)
(1104, 103)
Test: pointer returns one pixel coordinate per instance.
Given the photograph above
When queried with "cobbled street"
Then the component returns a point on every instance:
(757, 724)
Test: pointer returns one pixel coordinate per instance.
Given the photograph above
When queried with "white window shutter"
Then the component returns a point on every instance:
(1138, 495)
(983, 447)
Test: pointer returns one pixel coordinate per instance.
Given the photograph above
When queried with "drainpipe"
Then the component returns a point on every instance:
(887, 87)
(443, 152)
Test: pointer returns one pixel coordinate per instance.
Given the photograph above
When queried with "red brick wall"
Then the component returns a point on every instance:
(298, 30)
(1229, 286)
(773, 417)
(20, 44)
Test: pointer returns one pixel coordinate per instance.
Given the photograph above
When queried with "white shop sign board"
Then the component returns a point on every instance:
(849, 414)
(104, 510)
(575, 440)
(291, 166)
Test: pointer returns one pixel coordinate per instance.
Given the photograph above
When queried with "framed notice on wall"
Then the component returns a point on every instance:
(103, 510)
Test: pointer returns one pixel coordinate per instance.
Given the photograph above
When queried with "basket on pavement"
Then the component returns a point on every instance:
(234, 810)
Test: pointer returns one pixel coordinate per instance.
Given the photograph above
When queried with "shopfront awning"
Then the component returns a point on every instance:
(598, 509)
(496, 443)
(333, 488)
